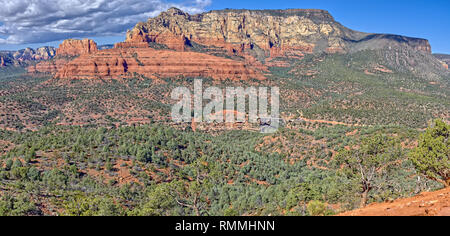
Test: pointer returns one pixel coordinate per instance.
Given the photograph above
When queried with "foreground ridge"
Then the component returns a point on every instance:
(425, 204)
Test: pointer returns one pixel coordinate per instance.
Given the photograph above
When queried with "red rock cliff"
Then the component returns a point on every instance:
(69, 48)
(126, 62)
(75, 47)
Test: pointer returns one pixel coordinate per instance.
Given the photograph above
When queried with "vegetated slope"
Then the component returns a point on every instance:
(367, 87)
(138, 170)
(425, 204)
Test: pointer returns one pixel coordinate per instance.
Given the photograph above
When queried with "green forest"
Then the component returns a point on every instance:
(81, 171)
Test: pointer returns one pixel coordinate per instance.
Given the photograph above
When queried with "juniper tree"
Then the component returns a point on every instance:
(376, 156)
(432, 155)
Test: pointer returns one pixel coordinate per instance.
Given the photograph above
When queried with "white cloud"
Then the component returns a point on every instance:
(40, 21)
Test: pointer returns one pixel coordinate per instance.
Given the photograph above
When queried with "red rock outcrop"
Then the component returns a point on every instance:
(75, 47)
(136, 57)
(2, 62)
(69, 48)
(126, 62)
(131, 45)
(51, 67)
(172, 41)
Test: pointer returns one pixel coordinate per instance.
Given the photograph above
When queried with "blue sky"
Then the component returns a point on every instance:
(415, 18)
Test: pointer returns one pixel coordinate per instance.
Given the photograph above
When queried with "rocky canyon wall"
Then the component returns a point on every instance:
(276, 31)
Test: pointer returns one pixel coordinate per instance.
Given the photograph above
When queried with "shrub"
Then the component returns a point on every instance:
(317, 208)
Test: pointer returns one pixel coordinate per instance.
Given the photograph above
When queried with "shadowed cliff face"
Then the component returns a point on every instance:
(275, 31)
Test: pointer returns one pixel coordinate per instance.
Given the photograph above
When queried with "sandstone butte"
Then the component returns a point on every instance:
(67, 50)
(191, 42)
(74, 47)
(128, 59)
(126, 62)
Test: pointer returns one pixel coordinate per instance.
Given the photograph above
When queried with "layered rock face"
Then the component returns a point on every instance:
(275, 31)
(127, 59)
(51, 66)
(75, 47)
(126, 62)
(68, 48)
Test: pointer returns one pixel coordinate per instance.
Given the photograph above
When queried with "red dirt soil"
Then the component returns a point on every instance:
(425, 204)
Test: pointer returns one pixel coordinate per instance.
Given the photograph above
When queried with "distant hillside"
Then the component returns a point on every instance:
(444, 58)
(105, 46)
(26, 56)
